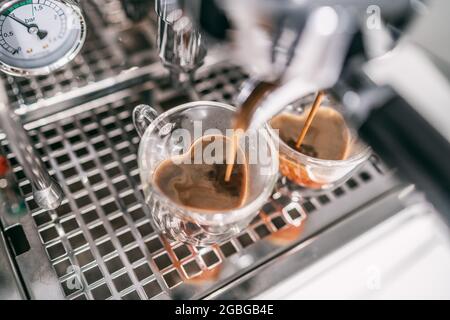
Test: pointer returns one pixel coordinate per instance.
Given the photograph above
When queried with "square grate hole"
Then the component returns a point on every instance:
(101, 292)
(262, 231)
(118, 222)
(48, 234)
(105, 248)
(31, 204)
(70, 225)
(110, 208)
(84, 258)
(181, 252)
(20, 175)
(50, 133)
(62, 159)
(294, 213)
(154, 245)
(70, 172)
(365, 176)
(152, 289)
(278, 222)
(75, 139)
(26, 189)
(56, 251)
(98, 231)
(113, 172)
(42, 218)
(143, 271)
(308, 206)
(92, 132)
(122, 282)
(228, 249)
(114, 264)
(145, 229)
(126, 238)
(245, 240)
(351, 183)
(95, 178)
(106, 158)
(210, 259)
(77, 241)
(172, 278)
(83, 201)
(323, 199)
(137, 213)
(133, 295)
(121, 185)
(82, 152)
(162, 261)
(88, 165)
(338, 192)
(68, 126)
(100, 145)
(93, 275)
(56, 146)
(90, 215)
(129, 199)
(191, 269)
(134, 254)
(102, 193)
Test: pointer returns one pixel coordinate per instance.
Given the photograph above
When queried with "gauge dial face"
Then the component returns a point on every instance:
(37, 36)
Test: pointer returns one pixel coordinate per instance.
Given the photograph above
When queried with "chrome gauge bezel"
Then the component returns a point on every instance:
(66, 58)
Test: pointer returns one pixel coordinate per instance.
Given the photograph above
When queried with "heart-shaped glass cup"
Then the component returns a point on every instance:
(313, 175)
(171, 134)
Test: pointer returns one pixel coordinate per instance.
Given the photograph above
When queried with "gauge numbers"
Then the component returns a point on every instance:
(40, 35)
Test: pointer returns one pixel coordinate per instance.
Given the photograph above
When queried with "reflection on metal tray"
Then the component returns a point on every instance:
(101, 244)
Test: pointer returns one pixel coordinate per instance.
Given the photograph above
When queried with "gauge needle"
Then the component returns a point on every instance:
(32, 28)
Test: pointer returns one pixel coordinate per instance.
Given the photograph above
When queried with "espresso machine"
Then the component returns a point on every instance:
(73, 223)
(345, 47)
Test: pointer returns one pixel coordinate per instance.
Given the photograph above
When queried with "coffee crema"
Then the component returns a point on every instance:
(328, 137)
(202, 186)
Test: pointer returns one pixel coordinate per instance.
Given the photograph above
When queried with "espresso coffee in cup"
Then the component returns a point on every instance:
(198, 183)
(328, 137)
(320, 160)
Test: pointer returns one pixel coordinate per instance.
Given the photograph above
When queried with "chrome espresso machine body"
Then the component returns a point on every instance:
(73, 223)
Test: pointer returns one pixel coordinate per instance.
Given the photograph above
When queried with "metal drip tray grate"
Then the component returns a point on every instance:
(101, 243)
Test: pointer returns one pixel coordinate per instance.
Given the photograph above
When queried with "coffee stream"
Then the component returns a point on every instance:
(202, 186)
(243, 117)
(311, 114)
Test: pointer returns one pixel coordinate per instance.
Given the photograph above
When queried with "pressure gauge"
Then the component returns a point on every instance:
(39, 36)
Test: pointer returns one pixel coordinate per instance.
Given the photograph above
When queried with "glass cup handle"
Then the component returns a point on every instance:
(143, 115)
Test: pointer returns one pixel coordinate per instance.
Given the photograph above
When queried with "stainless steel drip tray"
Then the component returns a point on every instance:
(101, 243)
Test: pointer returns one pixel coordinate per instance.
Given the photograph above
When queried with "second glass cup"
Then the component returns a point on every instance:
(160, 141)
(312, 174)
